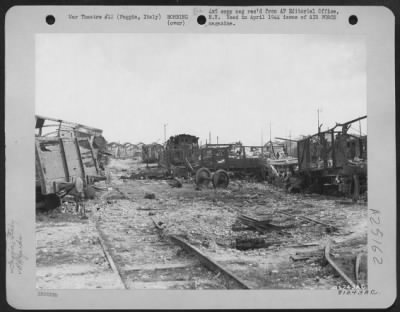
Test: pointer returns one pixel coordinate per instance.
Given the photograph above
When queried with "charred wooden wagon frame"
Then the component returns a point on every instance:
(65, 154)
(335, 158)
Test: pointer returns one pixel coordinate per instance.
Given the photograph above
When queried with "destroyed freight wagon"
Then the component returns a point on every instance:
(62, 155)
(334, 160)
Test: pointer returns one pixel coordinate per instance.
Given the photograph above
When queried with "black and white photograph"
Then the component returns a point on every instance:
(163, 165)
(200, 157)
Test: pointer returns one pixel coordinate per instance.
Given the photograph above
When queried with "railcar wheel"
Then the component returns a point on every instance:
(203, 177)
(220, 179)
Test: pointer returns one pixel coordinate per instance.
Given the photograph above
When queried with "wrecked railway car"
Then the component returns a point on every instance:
(63, 155)
(335, 159)
(181, 148)
(180, 152)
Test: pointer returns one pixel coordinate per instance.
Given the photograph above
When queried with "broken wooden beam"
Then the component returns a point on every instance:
(158, 266)
(335, 266)
(260, 225)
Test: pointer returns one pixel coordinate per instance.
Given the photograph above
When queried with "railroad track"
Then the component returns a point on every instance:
(144, 258)
(147, 257)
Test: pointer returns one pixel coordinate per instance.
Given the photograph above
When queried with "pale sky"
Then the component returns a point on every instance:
(233, 85)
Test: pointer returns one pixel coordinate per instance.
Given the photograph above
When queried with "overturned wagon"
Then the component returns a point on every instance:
(64, 155)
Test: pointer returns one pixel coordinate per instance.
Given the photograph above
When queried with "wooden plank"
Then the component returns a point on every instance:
(72, 157)
(158, 266)
(67, 177)
(79, 153)
(335, 266)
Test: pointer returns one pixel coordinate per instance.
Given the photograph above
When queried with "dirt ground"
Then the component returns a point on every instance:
(69, 253)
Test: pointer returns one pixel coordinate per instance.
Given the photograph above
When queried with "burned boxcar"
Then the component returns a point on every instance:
(335, 159)
(62, 155)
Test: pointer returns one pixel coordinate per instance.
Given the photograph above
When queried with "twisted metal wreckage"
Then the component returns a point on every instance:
(328, 161)
(332, 161)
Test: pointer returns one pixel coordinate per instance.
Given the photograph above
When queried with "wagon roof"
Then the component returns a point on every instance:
(79, 127)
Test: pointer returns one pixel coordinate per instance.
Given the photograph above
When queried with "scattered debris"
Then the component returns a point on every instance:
(329, 226)
(261, 225)
(254, 243)
(149, 195)
(175, 182)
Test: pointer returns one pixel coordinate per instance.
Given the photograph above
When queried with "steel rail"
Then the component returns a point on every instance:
(206, 261)
(109, 257)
